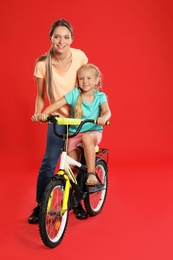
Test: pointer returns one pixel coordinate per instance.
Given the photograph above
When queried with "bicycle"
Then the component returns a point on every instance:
(65, 191)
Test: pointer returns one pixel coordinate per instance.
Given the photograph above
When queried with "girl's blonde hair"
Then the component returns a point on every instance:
(48, 56)
(78, 113)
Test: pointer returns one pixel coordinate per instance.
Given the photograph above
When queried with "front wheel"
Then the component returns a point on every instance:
(52, 223)
(95, 201)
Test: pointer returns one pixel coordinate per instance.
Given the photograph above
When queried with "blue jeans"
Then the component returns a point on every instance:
(50, 159)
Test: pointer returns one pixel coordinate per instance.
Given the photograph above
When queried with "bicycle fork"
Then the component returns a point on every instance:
(68, 184)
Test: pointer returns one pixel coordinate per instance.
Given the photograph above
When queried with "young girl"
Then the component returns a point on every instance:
(86, 102)
(55, 75)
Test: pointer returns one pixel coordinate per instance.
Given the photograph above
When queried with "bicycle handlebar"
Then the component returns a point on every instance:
(55, 119)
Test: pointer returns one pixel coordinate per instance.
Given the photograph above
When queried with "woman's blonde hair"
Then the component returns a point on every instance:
(78, 113)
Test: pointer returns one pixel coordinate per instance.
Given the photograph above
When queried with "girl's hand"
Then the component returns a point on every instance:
(101, 120)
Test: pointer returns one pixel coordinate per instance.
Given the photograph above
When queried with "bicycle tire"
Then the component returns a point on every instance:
(52, 226)
(95, 201)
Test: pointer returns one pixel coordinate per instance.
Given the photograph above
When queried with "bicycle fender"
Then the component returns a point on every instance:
(98, 159)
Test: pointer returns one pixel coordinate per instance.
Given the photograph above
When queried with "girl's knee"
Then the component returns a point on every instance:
(88, 138)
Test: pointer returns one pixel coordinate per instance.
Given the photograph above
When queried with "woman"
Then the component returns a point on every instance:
(55, 75)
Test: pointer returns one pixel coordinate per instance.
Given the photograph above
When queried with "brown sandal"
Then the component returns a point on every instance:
(91, 179)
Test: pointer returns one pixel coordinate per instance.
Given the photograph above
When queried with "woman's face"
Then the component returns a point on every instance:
(61, 39)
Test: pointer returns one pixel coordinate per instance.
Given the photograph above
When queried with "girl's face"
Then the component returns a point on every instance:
(61, 39)
(87, 79)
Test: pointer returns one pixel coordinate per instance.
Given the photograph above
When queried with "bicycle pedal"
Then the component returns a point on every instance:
(96, 188)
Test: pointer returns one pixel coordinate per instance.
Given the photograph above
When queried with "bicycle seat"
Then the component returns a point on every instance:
(80, 145)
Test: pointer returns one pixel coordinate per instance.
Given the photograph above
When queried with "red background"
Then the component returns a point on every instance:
(131, 42)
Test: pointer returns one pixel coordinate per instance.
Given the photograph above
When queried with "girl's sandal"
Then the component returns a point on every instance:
(91, 179)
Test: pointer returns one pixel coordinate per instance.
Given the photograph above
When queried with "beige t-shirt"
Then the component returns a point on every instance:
(62, 82)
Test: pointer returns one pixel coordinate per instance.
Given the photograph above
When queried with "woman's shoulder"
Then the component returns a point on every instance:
(77, 52)
(41, 58)
(40, 65)
(74, 50)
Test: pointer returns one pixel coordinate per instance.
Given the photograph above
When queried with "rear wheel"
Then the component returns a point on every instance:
(95, 201)
(52, 223)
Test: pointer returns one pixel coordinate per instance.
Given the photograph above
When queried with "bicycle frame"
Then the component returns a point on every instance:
(66, 171)
(65, 191)
(66, 160)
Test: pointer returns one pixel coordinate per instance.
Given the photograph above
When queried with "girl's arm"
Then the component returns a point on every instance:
(52, 108)
(105, 114)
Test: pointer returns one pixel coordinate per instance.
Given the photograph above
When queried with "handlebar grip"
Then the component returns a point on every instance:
(107, 122)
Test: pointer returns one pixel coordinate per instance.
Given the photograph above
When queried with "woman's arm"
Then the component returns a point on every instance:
(40, 98)
(52, 108)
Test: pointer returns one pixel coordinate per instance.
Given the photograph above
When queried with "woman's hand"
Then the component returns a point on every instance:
(43, 117)
(35, 118)
(39, 117)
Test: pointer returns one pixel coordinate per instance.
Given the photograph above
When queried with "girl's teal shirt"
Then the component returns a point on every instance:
(90, 110)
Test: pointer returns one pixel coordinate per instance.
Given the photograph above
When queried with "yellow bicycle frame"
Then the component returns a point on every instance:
(67, 172)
